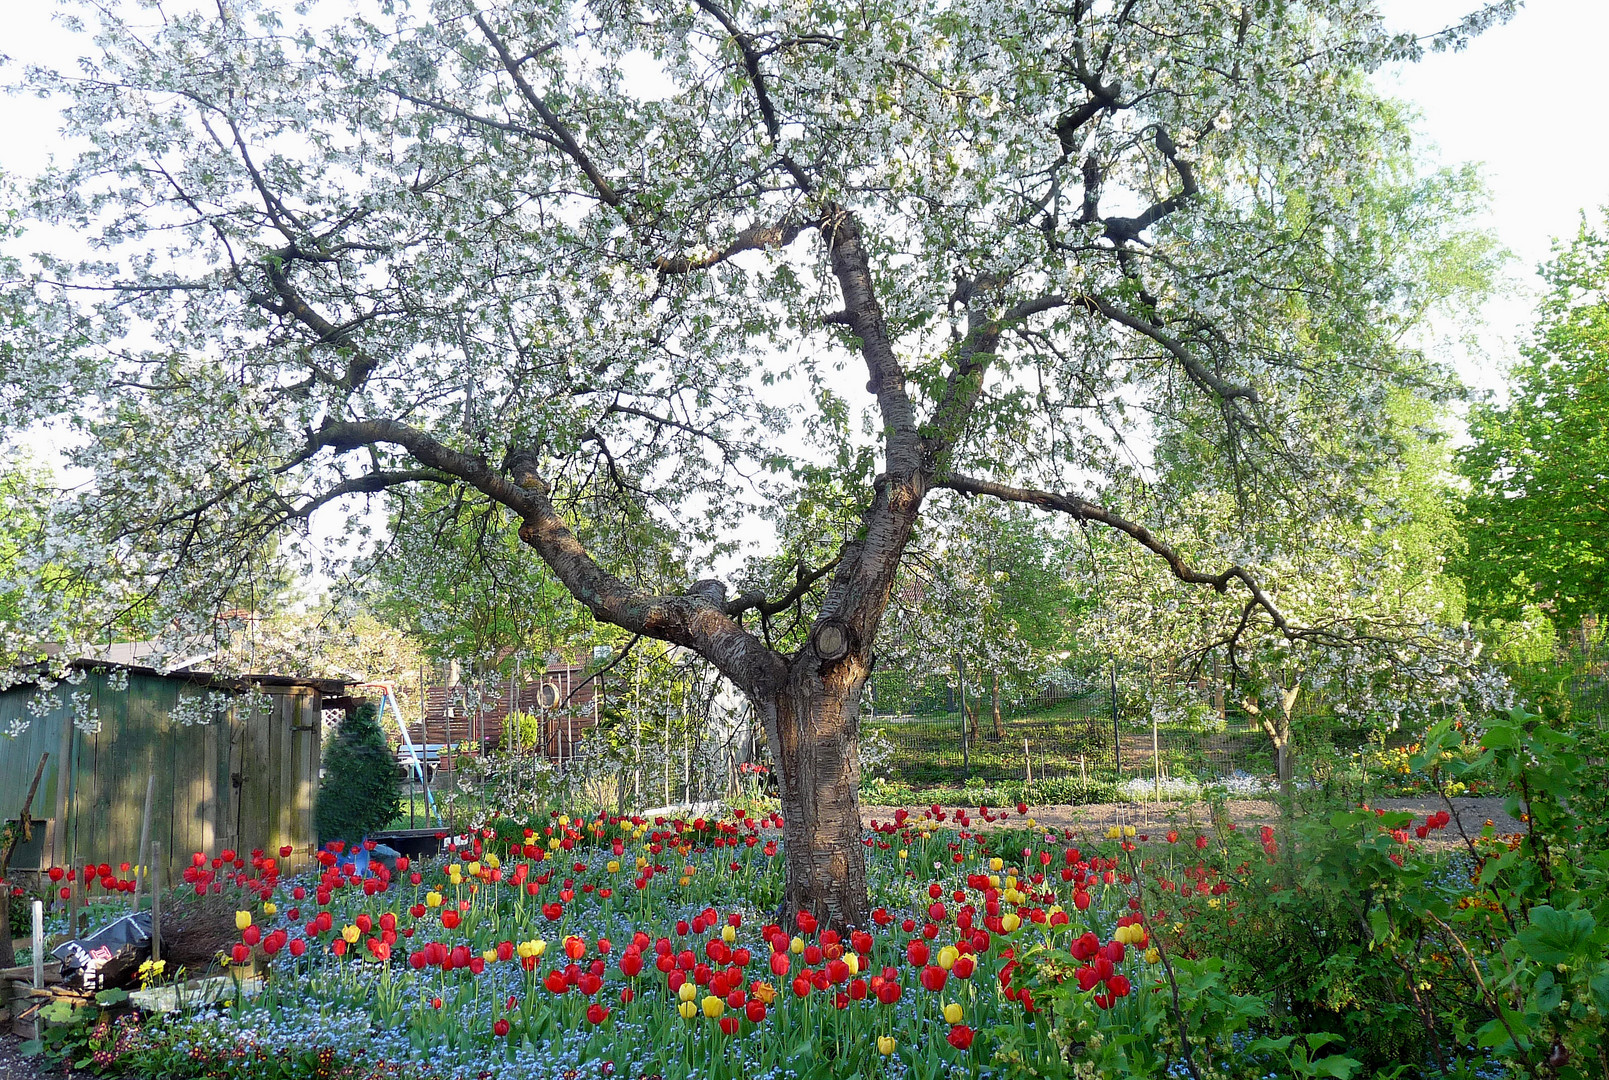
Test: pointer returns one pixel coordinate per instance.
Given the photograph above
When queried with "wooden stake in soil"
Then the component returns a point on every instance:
(38, 945)
(157, 876)
(1156, 759)
(145, 840)
(75, 900)
(1027, 764)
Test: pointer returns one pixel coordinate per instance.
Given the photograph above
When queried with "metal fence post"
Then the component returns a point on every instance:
(1117, 742)
(158, 874)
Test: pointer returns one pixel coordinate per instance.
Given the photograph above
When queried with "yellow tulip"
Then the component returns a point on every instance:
(351, 933)
(270, 909)
(952, 1013)
(713, 1006)
(728, 933)
(1152, 956)
(796, 946)
(489, 955)
(765, 992)
(493, 861)
(613, 866)
(687, 991)
(995, 865)
(947, 958)
(242, 920)
(852, 962)
(687, 1009)
(994, 881)
(641, 862)
(473, 869)
(553, 844)
(564, 821)
(903, 854)
(454, 868)
(885, 1044)
(526, 949)
(1114, 833)
(1011, 922)
(1128, 831)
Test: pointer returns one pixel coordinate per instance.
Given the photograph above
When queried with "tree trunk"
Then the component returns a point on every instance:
(815, 722)
(999, 725)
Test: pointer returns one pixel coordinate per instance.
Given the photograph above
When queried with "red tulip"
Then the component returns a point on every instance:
(298, 947)
(960, 1037)
(597, 1014)
(500, 1028)
(917, 953)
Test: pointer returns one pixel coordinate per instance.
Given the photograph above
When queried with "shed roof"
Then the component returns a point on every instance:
(151, 658)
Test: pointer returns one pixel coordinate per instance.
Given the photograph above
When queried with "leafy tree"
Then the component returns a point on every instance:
(477, 248)
(360, 792)
(1373, 617)
(1537, 511)
(456, 576)
(987, 590)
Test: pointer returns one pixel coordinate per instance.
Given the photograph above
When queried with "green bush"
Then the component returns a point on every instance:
(361, 791)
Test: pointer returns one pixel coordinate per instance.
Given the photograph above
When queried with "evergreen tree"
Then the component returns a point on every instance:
(359, 793)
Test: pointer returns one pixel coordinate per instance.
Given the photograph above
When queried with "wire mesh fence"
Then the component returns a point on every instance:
(927, 731)
(1065, 739)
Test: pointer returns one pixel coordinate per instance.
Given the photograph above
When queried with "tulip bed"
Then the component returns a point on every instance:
(649, 948)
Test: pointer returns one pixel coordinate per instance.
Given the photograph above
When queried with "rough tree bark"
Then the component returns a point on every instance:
(816, 717)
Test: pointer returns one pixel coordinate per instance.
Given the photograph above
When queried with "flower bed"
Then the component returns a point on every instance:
(648, 948)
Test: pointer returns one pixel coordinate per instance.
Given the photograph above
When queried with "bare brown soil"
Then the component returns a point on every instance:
(1090, 822)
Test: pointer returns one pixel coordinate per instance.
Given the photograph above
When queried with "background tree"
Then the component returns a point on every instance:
(986, 589)
(1384, 643)
(1537, 512)
(463, 248)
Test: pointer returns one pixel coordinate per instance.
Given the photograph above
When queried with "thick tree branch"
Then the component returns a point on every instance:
(686, 620)
(369, 484)
(1198, 372)
(566, 140)
(762, 97)
(1083, 510)
(1122, 229)
(753, 238)
(754, 599)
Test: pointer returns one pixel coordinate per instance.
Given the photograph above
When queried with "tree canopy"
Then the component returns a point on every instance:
(652, 251)
(1537, 512)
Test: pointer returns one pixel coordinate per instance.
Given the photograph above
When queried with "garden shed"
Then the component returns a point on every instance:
(235, 761)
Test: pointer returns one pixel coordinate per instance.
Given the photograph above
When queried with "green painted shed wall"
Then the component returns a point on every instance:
(245, 782)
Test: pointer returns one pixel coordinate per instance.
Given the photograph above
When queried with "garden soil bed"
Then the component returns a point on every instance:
(13, 1066)
(1092, 820)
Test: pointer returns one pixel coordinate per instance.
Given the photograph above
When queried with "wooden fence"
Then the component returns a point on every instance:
(247, 780)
